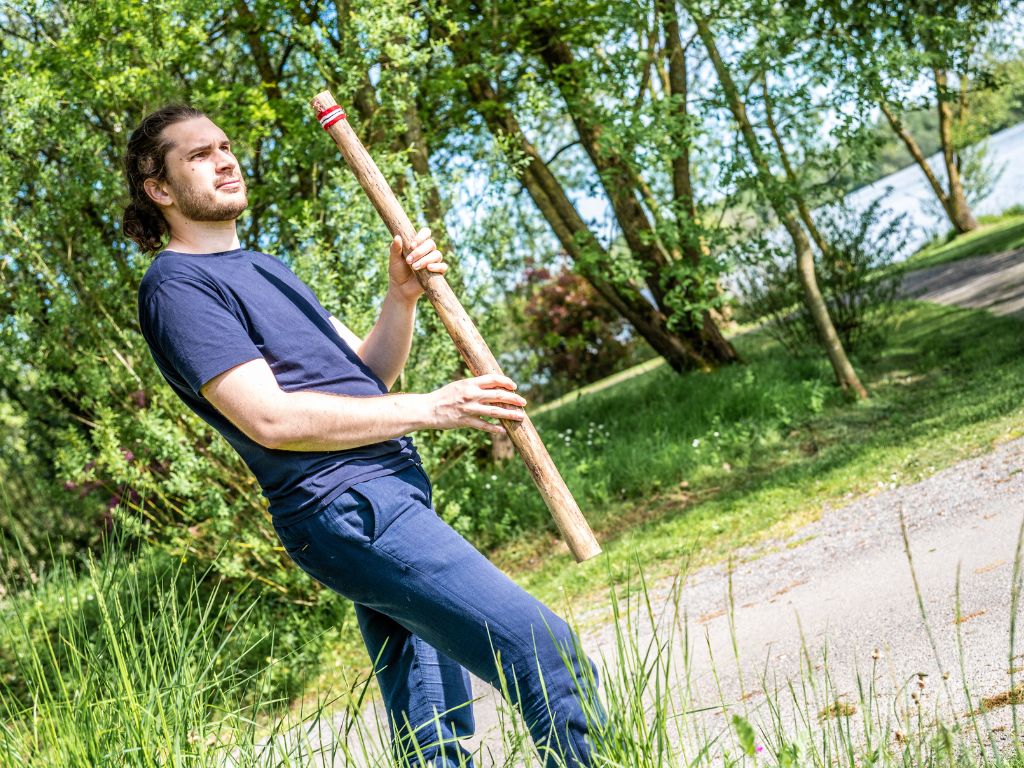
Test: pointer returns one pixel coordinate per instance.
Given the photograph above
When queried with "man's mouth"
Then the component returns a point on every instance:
(230, 184)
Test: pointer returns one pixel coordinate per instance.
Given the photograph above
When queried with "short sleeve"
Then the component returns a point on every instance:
(194, 329)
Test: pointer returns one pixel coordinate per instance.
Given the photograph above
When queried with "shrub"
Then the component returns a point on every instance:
(852, 275)
(576, 336)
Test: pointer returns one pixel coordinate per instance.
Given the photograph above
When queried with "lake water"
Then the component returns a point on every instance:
(910, 193)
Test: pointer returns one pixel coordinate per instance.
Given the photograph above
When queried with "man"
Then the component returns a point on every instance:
(304, 401)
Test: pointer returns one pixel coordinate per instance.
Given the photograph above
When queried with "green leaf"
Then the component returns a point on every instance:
(745, 733)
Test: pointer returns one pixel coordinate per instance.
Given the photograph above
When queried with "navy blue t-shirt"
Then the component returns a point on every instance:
(204, 314)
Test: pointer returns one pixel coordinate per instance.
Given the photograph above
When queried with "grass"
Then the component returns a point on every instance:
(161, 690)
(669, 468)
(996, 233)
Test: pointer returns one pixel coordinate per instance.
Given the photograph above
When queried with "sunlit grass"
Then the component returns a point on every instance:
(145, 688)
(665, 466)
(997, 233)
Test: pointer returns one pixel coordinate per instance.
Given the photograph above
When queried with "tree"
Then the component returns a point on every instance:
(784, 200)
(663, 282)
(887, 47)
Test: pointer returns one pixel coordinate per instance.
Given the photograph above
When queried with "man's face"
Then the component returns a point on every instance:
(203, 177)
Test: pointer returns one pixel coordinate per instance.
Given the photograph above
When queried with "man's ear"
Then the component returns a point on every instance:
(157, 191)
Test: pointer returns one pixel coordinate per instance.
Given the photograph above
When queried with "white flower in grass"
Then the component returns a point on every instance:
(696, 442)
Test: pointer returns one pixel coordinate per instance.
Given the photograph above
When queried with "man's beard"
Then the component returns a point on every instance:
(198, 206)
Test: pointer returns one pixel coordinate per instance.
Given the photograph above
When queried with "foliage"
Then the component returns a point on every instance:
(858, 294)
(92, 436)
(576, 337)
(144, 657)
(170, 684)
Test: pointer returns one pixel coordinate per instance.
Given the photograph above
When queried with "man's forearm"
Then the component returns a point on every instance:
(250, 397)
(319, 421)
(386, 348)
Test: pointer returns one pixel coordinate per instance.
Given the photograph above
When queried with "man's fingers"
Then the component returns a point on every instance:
(421, 250)
(421, 237)
(486, 426)
(492, 380)
(495, 411)
(504, 397)
(434, 257)
(495, 395)
(505, 413)
(396, 246)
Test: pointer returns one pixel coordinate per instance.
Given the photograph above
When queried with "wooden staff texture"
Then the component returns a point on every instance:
(471, 345)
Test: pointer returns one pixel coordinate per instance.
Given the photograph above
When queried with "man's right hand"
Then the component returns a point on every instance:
(466, 402)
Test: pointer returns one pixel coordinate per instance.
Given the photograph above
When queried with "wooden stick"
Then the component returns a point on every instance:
(471, 345)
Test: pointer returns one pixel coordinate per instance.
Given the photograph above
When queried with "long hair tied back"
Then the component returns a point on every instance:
(142, 221)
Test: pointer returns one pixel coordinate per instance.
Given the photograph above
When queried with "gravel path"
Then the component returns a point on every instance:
(845, 582)
(994, 282)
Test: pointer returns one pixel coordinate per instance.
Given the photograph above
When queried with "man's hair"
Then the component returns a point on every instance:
(143, 221)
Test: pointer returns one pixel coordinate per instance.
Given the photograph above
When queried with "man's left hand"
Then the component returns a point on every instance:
(424, 255)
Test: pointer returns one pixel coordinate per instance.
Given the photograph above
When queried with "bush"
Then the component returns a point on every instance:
(854, 282)
(576, 336)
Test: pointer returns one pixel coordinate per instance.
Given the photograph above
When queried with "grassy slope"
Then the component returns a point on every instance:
(792, 445)
(938, 396)
(996, 234)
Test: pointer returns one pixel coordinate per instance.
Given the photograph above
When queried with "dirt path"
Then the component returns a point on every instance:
(844, 582)
(994, 282)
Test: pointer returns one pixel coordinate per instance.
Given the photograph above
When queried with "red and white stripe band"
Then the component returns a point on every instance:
(330, 116)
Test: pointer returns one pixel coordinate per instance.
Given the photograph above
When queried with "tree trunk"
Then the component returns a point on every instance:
(694, 249)
(846, 376)
(915, 152)
(682, 351)
(614, 176)
(678, 350)
(619, 181)
(844, 371)
(958, 209)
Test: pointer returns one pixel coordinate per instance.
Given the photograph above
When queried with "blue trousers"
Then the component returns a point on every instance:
(430, 607)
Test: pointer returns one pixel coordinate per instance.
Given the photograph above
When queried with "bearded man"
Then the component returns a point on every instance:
(305, 402)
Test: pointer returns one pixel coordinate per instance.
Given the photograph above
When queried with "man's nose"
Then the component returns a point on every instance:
(225, 160)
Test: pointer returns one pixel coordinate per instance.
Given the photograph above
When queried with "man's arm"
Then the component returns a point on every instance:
(386, 347)
(249, 396)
